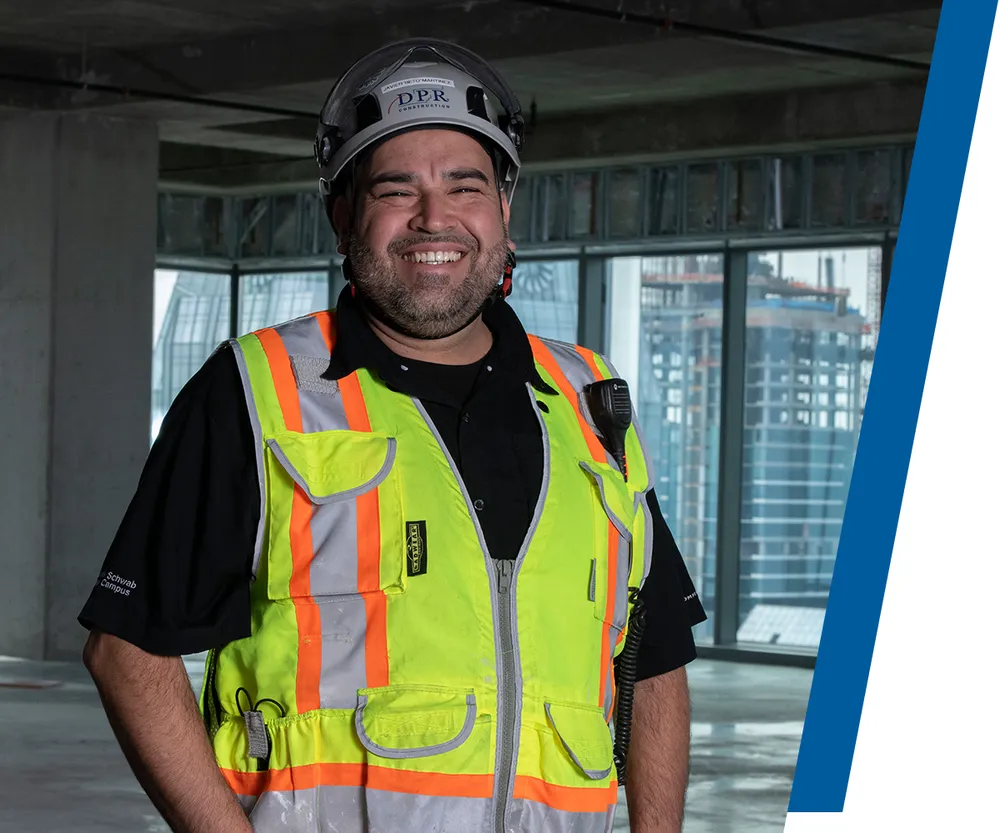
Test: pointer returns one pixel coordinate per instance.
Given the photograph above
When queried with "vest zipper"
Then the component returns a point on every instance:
(506, 687)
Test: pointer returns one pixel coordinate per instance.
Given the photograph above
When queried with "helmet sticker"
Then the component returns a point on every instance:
(412, 82)
(420, 99)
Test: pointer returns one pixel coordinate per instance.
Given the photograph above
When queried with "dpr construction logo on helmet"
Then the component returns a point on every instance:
(419, 100)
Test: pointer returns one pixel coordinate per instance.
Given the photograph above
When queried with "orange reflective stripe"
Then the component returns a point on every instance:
(284, 378)
(569, 799)
(328, 329)
(307, 616)
(430, 783)
(609, 610)
(295, 778)
(369, 549)
(357, 775)
(547, 360)
(588, 357)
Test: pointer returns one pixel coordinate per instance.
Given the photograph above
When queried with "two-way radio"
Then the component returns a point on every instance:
(610, 409)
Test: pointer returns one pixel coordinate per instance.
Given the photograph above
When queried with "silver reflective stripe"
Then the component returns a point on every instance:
(509, 818)
(622, 565)
(618, 522)
(344, 669)
(592, 774)
(336, 497)
(330, 809)
(593, 580)
(609, 688)
(392, 812)
(571, 363)
(333, 571)
(418, 751)
(314, 810)
(303, 337)
(578, 374)
(241, 362)
(303, 341)
(543, 819)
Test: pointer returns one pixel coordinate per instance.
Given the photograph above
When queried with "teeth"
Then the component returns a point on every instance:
(433, 257)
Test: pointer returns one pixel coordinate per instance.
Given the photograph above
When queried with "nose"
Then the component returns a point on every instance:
(434, 215)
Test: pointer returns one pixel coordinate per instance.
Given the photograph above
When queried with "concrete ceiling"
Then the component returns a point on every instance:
(287, 55)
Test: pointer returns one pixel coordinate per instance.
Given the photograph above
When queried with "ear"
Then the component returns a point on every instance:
(340, 216)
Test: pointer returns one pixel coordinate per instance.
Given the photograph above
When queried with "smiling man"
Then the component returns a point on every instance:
(421, 546)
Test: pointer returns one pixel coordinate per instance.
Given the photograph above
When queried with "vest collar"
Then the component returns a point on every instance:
(356, 346)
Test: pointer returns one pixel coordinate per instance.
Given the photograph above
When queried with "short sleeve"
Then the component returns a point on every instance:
(176, 579)
(672, 604)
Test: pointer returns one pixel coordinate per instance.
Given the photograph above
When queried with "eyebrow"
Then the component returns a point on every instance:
(404, 178)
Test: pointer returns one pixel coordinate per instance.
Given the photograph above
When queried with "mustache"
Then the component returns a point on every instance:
(398, 246)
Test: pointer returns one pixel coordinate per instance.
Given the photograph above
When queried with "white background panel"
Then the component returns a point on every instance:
(928, 749)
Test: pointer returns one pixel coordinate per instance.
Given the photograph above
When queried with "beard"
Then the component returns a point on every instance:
(433, 305)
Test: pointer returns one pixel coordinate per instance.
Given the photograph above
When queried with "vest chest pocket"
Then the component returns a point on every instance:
(613, 553)
(334, 515)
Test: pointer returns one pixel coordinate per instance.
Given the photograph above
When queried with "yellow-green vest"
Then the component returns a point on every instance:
(408, 681)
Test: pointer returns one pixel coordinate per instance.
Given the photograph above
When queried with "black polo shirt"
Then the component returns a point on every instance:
(176, 579)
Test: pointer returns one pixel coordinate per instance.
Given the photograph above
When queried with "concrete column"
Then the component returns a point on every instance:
(77, 254)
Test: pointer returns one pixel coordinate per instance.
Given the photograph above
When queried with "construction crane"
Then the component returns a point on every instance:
(869, 331)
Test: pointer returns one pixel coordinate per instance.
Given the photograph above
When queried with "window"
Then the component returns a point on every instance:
(665, 340)
(546, 297)
(270, 299)
(190, 319)
(824, 306)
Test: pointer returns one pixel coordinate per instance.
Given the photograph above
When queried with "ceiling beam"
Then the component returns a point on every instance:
(731, 125)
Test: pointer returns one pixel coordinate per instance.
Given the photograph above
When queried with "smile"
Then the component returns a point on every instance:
(433, 257)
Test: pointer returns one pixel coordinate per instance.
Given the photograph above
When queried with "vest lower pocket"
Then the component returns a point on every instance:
(400, 722)
(429, 759)
(584, 736)
(335, 524)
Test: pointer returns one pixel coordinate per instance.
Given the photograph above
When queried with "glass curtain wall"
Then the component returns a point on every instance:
(546, 297)
(811, 326)
(190, 319)
(665, 340)
(270, 299)
(812, 321)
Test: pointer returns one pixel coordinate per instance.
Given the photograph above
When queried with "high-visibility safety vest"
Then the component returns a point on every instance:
(406, 680)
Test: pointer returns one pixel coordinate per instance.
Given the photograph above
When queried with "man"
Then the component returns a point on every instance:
(400, 528)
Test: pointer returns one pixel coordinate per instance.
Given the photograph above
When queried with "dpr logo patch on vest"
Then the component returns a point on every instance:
(416, 548)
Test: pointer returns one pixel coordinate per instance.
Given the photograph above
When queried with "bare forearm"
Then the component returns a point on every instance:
(659, 754)
(155, 717)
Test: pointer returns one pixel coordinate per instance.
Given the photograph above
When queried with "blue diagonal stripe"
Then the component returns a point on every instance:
(904, 345)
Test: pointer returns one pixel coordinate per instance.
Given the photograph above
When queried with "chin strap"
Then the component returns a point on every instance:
(508, 281)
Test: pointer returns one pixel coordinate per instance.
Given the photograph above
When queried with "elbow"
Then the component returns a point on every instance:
(97, 653)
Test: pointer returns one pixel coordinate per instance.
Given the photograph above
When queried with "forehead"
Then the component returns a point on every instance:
(430, 149)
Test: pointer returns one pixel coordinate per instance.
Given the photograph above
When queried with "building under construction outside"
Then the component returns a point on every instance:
(808, 354)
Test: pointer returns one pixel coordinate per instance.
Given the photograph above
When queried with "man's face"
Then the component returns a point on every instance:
(427, 231)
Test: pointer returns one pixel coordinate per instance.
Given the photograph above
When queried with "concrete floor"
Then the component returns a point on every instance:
(61, 768)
